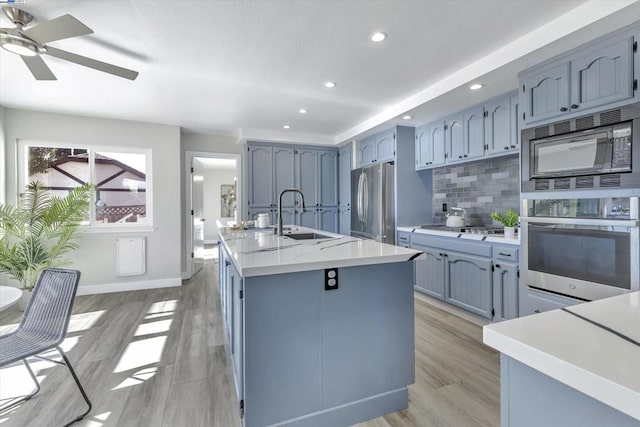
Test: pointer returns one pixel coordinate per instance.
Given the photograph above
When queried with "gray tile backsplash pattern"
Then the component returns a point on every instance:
(479, 187)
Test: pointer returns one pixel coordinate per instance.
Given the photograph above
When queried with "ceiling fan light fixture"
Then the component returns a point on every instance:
(18, 47)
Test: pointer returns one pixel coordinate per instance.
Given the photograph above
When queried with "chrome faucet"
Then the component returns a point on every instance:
(292, 190)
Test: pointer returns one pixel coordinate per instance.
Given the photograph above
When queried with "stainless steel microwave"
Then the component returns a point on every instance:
(600, 151)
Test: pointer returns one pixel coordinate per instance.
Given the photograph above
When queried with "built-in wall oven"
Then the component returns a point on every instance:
(582, 248)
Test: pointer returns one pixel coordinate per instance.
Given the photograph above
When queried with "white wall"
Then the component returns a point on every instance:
(213, 178)
(97, 257)
(3, 170)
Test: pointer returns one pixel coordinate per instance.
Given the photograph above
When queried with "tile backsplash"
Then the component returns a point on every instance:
(480, 188)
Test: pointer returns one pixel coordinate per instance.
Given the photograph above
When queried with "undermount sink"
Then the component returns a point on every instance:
(307, 236)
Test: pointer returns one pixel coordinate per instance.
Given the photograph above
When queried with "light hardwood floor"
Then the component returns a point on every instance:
(158, 358)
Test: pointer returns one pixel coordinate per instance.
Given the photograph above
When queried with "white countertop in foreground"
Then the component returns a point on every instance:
(259, 252)
(580, 354)
(466, 236)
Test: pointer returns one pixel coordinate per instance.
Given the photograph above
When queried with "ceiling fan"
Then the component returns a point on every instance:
(31, 44)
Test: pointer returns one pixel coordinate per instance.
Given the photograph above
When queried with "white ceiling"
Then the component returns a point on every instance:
(245, 68)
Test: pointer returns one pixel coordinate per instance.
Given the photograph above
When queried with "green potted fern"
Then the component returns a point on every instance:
(509, 219)
(38, 232)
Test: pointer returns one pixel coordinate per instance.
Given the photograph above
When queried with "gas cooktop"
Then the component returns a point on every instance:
(483, 230)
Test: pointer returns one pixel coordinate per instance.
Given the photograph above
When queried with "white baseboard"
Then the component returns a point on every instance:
(129, 286)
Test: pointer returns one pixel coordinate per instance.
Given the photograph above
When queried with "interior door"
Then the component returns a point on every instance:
(197, 228)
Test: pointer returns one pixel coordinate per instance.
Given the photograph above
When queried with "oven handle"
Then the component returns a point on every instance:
(582, 221)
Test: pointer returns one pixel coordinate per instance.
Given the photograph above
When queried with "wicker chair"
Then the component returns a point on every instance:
(43, 327)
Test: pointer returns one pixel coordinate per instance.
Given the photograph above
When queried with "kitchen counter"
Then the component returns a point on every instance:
(467, 236)
(588, 358)
(258, 252)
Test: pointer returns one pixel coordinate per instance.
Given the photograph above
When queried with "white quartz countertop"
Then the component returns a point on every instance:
(466, 236)
(592, 359)
(259, 252)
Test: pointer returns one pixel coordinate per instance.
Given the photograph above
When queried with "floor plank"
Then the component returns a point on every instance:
(159, 358)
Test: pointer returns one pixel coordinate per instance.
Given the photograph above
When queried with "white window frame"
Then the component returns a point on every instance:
(93, 226)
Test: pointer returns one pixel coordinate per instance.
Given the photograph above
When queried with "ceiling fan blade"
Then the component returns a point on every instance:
(92, 63)
(38, 68)
(62, 27)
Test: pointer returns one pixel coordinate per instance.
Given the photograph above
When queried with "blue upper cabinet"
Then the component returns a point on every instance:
(328, 178)
(546, 93)
(500, 128)
(604, 75)
(437, 143)
(386, 146)
(424, 154)
(454, 138)
(378, 148)
(307, 172)
(260, 176)
(595, 76)
(344, 165)
(473, 121)
(367, 151)
(283, 173)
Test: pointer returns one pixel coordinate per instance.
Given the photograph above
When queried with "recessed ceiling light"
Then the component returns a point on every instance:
(330, 85)
(286, 127)
(476, 86)
(406, 117)
(303, 111)
(378, 37)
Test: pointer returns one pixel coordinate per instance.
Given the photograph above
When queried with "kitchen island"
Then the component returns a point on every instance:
(321, 330)
(579, 366)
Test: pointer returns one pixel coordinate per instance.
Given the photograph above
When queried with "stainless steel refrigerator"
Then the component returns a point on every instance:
(372, 203)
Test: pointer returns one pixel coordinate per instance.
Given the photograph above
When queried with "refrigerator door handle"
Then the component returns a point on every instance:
(365, 196)
(359, 199)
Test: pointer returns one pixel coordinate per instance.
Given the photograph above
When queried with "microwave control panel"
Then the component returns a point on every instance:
(621, 158)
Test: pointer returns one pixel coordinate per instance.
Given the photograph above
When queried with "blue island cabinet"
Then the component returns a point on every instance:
(316, 357)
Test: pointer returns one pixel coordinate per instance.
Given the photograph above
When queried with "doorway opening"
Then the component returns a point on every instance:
(213, 196)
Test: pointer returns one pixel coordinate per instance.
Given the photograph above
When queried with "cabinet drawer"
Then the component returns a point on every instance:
(404, 239)
(538, 302)
(453, 244)
(505, 253)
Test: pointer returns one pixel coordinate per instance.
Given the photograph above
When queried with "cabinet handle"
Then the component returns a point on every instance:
(513, 146)
(497, 265)
(459, 157)
(227, 263)
(446, 255)
(536, 311)
(506, 147)
(503, 254)
(563, 109)
(465, 155)
(441, 254)
(574, 106)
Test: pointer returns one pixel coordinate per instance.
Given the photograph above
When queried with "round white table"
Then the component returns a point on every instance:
(9, 296)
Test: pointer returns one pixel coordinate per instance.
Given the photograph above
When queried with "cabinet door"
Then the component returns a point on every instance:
(454, 139)
(288, 216)
(468, 280)
(307, 218)
(474, 133)
(260, 176)
(430, 271)
(344, 161)
(345, 220)
(367, 150)
(505, 291)
(328, 178)
(307, 174)
(497, 129)
(424, 151)
(328, 218)
(514, 103)
(546, 93)
(604, 75)
(386, 147)
(237, 330)
(283, 174)
(437, 142)
(254, 211)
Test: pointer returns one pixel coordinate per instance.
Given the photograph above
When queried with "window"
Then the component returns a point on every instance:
(121, 178)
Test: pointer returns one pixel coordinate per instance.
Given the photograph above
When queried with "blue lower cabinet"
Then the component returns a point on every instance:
(430, 277)
(469, 283)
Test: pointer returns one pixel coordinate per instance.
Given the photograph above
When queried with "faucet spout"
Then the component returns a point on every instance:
(288, 190)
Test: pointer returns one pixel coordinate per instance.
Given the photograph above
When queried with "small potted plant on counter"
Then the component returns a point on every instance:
(509, 219)
(37, 233)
